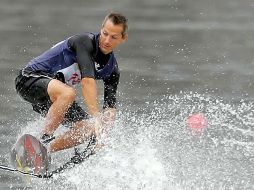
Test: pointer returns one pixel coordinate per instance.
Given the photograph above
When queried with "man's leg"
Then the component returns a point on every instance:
(80, 132)
(52, 98)
(61, 96)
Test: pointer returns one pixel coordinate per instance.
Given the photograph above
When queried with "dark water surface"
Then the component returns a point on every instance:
(182, 56)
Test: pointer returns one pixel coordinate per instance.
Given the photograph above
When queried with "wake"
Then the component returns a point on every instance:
(152, 147)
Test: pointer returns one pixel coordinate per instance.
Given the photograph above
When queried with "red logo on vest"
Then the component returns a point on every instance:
(74, 79)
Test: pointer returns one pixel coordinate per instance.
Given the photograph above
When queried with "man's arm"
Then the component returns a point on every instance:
(89, 91)
(110, 88)
(83, 46)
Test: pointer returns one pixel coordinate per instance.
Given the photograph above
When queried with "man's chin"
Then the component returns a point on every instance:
(105, 51)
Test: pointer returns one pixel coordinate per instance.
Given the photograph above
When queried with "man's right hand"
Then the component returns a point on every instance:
(103, 123)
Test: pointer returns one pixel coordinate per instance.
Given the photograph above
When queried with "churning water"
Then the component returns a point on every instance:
(152, 147)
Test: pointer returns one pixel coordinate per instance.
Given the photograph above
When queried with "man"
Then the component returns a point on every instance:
(47, 83)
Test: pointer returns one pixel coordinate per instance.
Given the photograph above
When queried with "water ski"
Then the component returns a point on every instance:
(30, 156)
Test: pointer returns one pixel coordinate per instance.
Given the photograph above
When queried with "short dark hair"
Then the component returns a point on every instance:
(117, 19)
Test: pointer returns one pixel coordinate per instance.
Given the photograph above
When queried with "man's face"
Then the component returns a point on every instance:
(111, 37)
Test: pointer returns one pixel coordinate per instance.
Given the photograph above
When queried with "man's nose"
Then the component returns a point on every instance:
(108, 39)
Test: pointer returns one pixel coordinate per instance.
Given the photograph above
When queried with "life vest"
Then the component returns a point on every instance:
(60, 59)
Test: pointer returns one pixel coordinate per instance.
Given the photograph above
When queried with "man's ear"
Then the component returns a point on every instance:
(125, 37)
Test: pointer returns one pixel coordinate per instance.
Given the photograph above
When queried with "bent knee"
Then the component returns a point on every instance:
(69, 94)
(58, 90)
